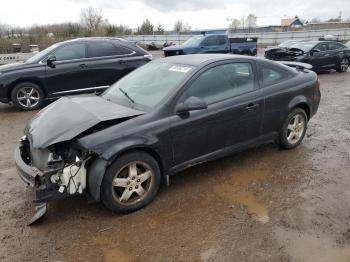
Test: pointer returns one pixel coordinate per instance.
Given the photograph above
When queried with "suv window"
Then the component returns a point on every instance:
(221, 40)
(222, 82)
(272, 76)
(212, 40)
(335, 46)
(70, 52)
(101, 49)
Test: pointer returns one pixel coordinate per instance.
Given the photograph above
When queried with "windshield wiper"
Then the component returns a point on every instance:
(126, 95)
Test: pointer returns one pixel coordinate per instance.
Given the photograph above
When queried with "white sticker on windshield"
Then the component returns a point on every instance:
(181, 69)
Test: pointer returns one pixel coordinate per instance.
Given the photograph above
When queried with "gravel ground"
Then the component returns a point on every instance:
(264, 204)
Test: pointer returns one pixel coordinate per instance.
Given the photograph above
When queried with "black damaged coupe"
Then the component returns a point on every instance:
(158, 120)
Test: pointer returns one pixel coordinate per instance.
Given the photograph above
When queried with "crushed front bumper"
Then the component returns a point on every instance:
(45, 191)
(26, 172)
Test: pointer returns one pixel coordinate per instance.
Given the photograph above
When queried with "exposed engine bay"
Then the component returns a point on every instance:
(283, 54)
(61, 164)
(62, 172)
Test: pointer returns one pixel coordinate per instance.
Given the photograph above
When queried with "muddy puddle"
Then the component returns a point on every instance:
(241, 188)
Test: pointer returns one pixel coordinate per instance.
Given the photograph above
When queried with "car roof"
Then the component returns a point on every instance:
(90, 39)
(202, 59)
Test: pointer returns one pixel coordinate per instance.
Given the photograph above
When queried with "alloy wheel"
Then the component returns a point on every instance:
(28, 97)
(344, 64)
(296, 128)
(132, 183)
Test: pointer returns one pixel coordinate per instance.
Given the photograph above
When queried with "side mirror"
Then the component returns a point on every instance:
(314, 51)
(190, 104)
(51, 61)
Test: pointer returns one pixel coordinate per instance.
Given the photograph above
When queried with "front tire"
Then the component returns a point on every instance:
(27, 96)
(131, 182)
(293, 130)
(343, 65)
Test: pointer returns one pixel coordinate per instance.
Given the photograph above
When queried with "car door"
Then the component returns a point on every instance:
(109, 62)
(321, 57)
(233, 116)
(68, 75)
(214, 44)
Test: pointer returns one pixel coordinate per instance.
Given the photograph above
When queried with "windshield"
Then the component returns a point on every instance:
(305, 46)
(149, 84)
(287, 43)
(41, 55)
(194, 40)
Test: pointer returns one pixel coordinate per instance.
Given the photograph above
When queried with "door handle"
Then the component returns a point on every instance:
(251, 106)
(83, 66)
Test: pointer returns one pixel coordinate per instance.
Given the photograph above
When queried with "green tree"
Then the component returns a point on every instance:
(146, 28)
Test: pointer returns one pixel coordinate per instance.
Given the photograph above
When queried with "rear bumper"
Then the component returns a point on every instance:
(26, 172)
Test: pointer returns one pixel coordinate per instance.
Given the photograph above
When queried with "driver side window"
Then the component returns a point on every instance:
(223, 82)
(322, 47)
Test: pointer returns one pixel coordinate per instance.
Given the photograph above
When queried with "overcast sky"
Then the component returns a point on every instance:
(198, 13)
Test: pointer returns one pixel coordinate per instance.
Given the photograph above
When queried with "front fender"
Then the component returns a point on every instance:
(95, 176)
(99, 165)
(116, 149)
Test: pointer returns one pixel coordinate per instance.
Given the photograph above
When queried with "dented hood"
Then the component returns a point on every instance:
(70, 116)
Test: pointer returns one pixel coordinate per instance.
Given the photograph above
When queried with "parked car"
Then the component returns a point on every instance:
(322, 55)
(152, 46)
(166, 116)
(204, 44)
(76, 66)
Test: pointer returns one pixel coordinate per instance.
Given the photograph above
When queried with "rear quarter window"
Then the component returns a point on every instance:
(270, 75)
(103, 49)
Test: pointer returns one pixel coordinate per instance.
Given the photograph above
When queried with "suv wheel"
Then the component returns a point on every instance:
(294, 129)
(343, 65)
(131, 182)
(27, 96)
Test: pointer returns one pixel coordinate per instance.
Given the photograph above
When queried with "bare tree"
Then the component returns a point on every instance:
(235, 23)
(4, 29)
(182, 27)
(178, 26)
(251, 22)
(92, 19)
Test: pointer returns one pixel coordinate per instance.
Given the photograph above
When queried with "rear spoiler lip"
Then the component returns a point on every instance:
(297, 65)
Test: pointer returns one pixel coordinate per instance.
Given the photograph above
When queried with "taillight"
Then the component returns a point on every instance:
(318, 85)
(148, 56)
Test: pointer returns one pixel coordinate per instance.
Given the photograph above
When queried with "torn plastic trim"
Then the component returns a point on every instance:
(40, 211)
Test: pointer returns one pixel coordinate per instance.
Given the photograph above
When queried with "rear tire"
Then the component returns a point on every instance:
(27, 96)
(131, 182)
(293, 129)
(343, 65)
